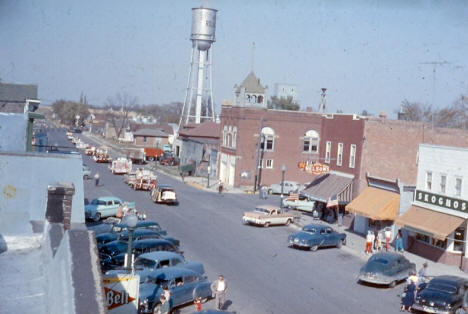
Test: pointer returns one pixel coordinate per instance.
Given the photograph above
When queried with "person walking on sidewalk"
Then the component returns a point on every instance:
(369, 241)
(399, 242)
(218, 290)
(423, 274)
(220, 187)
(388, 238)
(96, 179)
(378, 241)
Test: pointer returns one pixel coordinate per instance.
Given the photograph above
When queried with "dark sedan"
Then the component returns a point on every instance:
(386, 268)
(314, 236)
(139, 234)
(443, 294)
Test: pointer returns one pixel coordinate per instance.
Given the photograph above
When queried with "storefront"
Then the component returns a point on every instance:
(437, 221)
(331, 191)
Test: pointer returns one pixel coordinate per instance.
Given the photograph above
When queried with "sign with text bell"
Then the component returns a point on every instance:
(122, 292)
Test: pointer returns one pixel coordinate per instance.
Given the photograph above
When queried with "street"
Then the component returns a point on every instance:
(263, 274)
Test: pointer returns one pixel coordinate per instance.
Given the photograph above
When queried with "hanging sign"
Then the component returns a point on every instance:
(313, 167)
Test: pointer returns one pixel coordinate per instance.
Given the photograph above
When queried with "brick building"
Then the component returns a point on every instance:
(150, 137)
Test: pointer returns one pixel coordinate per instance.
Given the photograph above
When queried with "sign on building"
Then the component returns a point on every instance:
(313, 168)
(122, 292)
(441, 201)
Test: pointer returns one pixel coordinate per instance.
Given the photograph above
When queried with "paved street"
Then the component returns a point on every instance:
(264, 275)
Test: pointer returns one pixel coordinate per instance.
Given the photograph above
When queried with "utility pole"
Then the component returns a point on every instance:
(257, 160)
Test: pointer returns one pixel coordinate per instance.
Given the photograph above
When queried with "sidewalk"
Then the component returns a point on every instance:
(355, 243)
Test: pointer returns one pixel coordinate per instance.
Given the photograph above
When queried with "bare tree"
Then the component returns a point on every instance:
(123, 103)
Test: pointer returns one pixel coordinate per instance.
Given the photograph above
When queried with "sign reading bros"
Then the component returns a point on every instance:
(441, 200)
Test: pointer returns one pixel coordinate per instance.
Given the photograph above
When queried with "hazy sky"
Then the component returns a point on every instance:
(368, 54)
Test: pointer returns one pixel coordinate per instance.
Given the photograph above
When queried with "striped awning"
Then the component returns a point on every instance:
(326, 186)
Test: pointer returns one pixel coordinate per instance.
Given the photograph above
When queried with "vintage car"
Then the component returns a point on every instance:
(104, 207)
(142, 224)
(386, 268)
(149, 262)
(112, 254)
(299, 202)
(289, 187)
(168, 159)
(164, 194)
(184, 284)
(314, 236)
(138, 234)
(120, 166)
(102, 155)
(267, 215)
(86, 172)
(130, 177)
(90, 151)
(443, 294)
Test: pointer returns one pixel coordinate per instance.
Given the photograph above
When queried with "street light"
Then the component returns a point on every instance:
(208, 177)
(131, 220)
(283, 170)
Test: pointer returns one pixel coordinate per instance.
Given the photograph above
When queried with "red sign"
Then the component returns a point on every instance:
(116, 298)
(312, 167)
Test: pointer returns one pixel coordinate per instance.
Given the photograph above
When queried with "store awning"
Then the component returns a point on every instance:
(376, 204)
(330, 184)
(429, 222)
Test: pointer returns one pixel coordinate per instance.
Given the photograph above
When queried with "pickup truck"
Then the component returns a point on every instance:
(105, 206)
(267, 215)
(299, 202)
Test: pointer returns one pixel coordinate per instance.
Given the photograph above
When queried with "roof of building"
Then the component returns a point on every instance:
(252, 84)
(150, 132)
(208, 129)
(328, 185)
(13, 96)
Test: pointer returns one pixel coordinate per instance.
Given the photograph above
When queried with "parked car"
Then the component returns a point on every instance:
(142, 224)
(164, 194)
(443, 294)
(386, 268)
(120, 165)
(168, 159)
(112, 254)
(130, 177)
(184, 284)
(266, 215)
(299, 202)
(289, 187)
(142, 233)
(86, 172)
(146, 263)
(104, 207)
(313, 236)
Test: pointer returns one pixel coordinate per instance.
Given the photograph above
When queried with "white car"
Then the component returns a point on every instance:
(289, 186)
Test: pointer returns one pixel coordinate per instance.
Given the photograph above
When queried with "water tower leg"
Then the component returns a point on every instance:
(201, 68)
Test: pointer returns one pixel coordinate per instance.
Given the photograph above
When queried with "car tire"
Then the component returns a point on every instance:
(97, 217)
(288, 222)
(267, 224)
(150, 158)
(314, 248)
(343, 241)
(157, 308)
(392, 284)
(339, 244)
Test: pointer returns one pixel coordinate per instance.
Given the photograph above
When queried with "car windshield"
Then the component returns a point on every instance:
(309, 229)
(98, 202)
(145, 263)
(442, 288)
(262, 210)
(379, 260)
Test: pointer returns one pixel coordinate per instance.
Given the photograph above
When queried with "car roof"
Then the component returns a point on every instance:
(316, 226)
(140, 232)
(159, 255)
(107, 198)
(449, 279)
(149, 242)
(106, 235)
(169, 273)
(390, 256)
(140, 224)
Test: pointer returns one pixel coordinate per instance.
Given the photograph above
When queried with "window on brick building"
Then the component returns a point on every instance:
(443, 183)
(352, 156)
(428, 180)
(339, 156)
(268, 139)
(458, 186)
(234, 137)
(224, 135)
(327, 152)
(145, 139)
(269, 163)
(311, 142)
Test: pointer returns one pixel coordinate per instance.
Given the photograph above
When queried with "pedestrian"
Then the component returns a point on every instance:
(388, 237)
(378, 241)
(407, 299)
(399, 242)
(182, 176)
(198, 304)
(220, 187)
(167, 295)
(96, 179)
(423, 274)
(369, 242)
(165, 307)
(120, 212)
(218, 290)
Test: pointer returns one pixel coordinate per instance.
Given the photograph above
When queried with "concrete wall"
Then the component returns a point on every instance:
(24, 178)
(13, 132)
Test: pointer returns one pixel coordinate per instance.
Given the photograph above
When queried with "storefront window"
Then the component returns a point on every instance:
(439, 243)
(428, 180)
(423, 238)
(431, 241)
(459, 238)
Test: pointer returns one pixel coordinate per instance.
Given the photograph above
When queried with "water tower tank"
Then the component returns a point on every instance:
(203, 27)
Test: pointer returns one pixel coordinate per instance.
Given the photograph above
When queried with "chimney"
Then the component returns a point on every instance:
(59, 203)
(383, 115)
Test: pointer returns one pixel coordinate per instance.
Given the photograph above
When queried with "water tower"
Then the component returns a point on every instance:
(198, 102)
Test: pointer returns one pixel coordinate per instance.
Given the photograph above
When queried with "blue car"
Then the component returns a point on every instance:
(138, 234)
(185, 286)
(313, 236)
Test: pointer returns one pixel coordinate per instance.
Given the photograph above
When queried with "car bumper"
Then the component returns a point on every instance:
(299, 245)
(429, 309)
(375, 280)
(253, 221)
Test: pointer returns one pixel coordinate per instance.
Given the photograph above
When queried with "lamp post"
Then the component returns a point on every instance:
(208, 177)
(283, 170)
(131, 221)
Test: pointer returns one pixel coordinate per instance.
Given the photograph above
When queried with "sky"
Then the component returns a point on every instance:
(369, 54)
